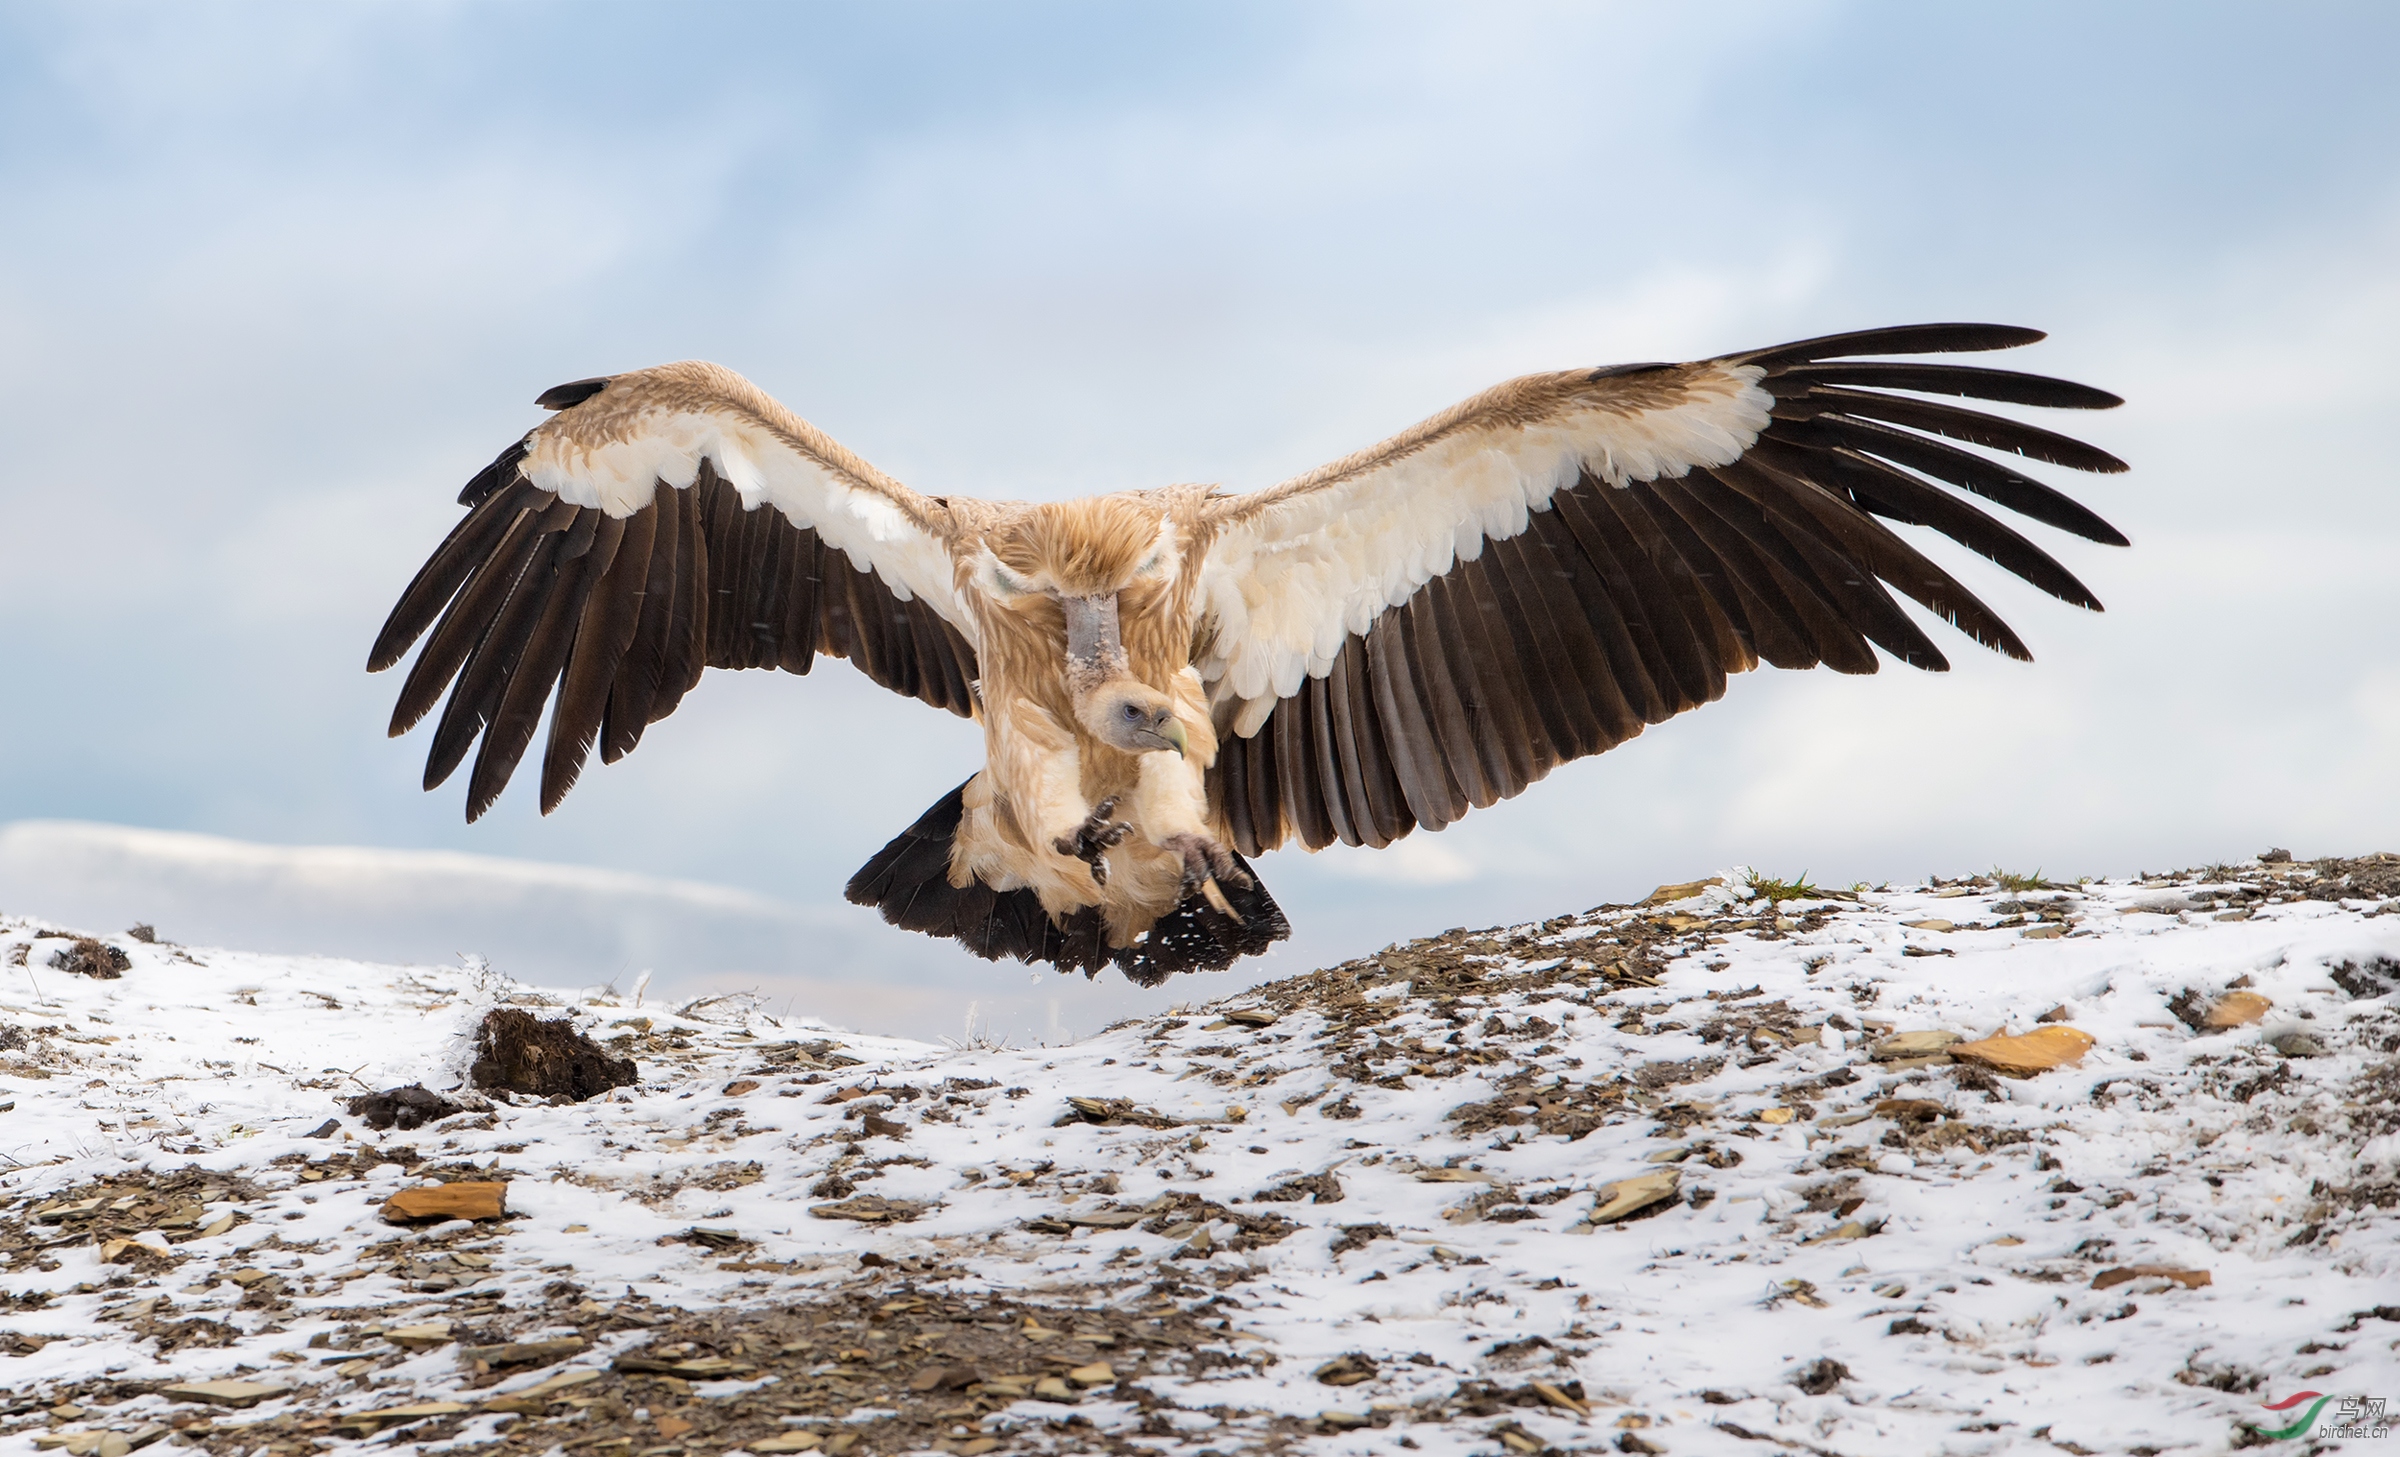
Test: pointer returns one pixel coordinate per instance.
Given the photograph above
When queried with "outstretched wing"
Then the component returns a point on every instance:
(660, 523)
(1433, 624)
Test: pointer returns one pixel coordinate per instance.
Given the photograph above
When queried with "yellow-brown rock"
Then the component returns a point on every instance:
(2235, 1009)
(447, 1201)
(2021, 1057)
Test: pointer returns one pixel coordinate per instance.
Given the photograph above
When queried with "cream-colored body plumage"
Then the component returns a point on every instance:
(1168, 680)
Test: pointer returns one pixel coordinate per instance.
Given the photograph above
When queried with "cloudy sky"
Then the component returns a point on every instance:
(274, 280)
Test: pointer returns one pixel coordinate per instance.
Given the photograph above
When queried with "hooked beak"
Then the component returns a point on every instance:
(1172, 732)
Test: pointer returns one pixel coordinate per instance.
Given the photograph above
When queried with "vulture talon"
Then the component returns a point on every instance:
(1205, 862)
(1094, 838)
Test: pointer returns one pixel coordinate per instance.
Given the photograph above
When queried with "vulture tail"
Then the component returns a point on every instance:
(909, 881)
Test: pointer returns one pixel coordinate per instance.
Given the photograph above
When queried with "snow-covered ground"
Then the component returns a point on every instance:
(1350, 1212)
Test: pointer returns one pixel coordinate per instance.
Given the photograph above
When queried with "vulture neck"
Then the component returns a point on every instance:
(1095, 653)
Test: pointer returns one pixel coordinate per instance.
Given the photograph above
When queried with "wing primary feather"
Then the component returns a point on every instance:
(1994, 432)
(1776, 632)
(1841, 549)
(1907, 339)
(567, 586)
(436, 583)
(476, 695)
(506, 469)
(1784, 572)
(1970, 472)
(638, 680)
(1892, 492)
(602, 639)
(468, 620)
(1895, 561)
(2008, 386)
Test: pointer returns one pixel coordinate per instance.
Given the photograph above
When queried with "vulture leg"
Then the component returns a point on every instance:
(1100, 832)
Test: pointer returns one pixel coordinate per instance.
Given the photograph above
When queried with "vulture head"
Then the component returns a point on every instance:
(1073, 572)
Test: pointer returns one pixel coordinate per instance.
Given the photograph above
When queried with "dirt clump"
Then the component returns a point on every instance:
(95, 959)
(411, 1107)
(517, 1052)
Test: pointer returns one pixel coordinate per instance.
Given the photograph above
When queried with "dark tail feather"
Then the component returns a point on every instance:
(909, 881)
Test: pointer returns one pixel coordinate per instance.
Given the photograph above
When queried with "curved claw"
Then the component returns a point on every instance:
(1094, 837)
(1205, 862)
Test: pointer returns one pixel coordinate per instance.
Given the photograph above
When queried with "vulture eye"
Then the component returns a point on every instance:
(1132, 713)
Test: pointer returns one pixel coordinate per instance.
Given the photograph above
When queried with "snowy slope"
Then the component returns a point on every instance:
(1862, 1253)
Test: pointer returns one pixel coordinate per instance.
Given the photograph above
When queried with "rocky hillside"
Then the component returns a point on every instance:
(1976, 1167)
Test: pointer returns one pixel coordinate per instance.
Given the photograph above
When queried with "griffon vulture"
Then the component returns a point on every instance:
(1169, 680)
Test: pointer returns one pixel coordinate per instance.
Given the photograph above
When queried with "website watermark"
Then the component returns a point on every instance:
(2354, 1417)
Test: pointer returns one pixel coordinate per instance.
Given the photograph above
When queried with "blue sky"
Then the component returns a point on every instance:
(275, 279)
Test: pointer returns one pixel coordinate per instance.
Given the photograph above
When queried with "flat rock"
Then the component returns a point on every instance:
(433, 1202)
(533, 1400)
(786, 1442)
(2125, 1274)
(415, 1411)
(1927, 1042)
(1631, 1196)
(223, 1393)
(420, 1337)
(1931, 923)
(870, 1209)
(521, 1353)
(2021, 1057)
(2235, 1009)
(1667, 894)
